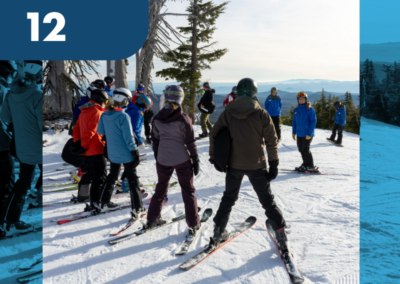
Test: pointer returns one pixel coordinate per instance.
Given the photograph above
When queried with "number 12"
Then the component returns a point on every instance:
(53, 36)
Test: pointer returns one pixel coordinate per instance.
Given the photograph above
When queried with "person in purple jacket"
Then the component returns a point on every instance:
(174, 148)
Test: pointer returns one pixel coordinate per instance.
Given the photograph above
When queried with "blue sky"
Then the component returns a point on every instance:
(279, 40)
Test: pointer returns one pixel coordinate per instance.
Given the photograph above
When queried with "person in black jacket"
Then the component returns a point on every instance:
(206, 107)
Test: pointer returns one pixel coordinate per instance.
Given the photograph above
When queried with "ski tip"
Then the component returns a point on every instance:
(63, 222)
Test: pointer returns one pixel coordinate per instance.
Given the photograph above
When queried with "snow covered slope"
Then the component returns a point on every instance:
(322, 210)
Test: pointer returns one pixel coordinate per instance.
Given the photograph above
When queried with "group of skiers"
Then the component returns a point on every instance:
(21, 118)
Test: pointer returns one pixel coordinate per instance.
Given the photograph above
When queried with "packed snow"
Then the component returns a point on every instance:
(323, 211)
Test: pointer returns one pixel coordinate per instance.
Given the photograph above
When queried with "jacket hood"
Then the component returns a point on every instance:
(273, 97)
(22, 93)
(85, 99)
(132, 106)
(111, 115)
(342, 107)
(168, 114)
(89, 105)
(242, 107)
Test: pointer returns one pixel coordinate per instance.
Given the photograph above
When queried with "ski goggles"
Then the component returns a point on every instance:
(140, 89)
(274, 92)
(301, 94)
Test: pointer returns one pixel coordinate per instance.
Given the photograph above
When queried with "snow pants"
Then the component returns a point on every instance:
(275, 120)
(92, 181)
(7, 178)
(259, 181)
(304, 148)
(339, 130)
(148, 115)
(184, 172)
(130, 173)
(205, 122)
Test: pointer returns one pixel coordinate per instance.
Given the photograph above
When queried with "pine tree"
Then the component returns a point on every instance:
(189, 59)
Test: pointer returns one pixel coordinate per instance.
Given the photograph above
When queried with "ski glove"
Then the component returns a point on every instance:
(196, 164)
(308, 137)
(273, 170)
(294, 136)
(141, 147)
(155, 155)
(136, 158)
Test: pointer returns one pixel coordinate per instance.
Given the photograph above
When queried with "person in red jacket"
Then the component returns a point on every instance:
(231, 97)
(89, 143)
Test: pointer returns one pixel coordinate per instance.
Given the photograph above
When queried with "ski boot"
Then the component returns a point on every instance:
(338, 143)
(31, 199)
(312, 170)
(330, 139)
(282, 240)
(302, 168)
(105, 207)
(15, 228)
(204, 135)
(192, 232)
(153, 224)
(138, 213)
(220, 236)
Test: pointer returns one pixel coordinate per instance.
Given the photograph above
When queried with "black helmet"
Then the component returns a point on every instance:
(247, 87)
(234, 90)
(206, 84)
(99, 84)
(8, 68)
(274, 89)
(337, 104)
(109, 79)
(99, 96)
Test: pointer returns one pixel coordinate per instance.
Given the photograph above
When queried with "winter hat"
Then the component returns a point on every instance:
(143, 99)
(206, 84)
(174, 94)
(337, 104)
(234, 90)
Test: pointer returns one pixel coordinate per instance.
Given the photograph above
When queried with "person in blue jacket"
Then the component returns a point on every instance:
(273, 105)
(108, 88)
(304, 122)
(22, 110)
(136, 113)
(121, 149)
(340, 122)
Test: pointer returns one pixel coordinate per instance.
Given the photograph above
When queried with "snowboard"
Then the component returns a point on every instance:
(189, 240)
(212, 247)
(294, 274)
(334, 143)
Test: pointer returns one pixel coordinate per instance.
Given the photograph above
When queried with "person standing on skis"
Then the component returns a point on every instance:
(89, 143)
(206, 107)
(115, 124)
(174, 147)
(22, 111)
(273, 105)
(231, 97)
(147, 113)
(340, 122)
(250, 126)
(304, 122)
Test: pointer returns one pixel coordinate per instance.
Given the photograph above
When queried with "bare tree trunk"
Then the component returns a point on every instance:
(61, 98)
(111, 68)
(117, 70)
(193, 69)
(138, 68)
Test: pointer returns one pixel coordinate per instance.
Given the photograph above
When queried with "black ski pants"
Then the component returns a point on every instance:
(130, 173)
(96, 172)
(304, 148)
(339, 130)
(259, 181)
(7, 178)
(148, 115)
(275, 120)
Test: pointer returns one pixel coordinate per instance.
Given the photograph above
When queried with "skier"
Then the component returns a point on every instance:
(147, 114)
(250, 126)
(121, 148)
(174, 148)
(108, 88)
(89, 143)
(304, 122)
(206, 107)
(22, 109)
(8, 71)
(340, 122)
(273, 105)
(231, 97)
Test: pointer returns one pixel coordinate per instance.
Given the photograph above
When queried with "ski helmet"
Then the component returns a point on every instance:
(99, 96)
(337, 104)
(109, 80)
(174, 94)
(143, 101)
(90, 90)
(8, 68)
(302, 95)
(122, 96)
(247, 87)
(32, 66)
(234, 90)
(206, 84)
(140, 87)
(274, 89)
(99, 84)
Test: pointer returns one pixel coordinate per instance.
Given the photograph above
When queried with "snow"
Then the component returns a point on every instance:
(323, 212)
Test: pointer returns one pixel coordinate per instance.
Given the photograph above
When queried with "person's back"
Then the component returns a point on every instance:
(136, 115)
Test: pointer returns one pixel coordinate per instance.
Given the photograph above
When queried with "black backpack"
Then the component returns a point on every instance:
(222, 150)
(70, 158)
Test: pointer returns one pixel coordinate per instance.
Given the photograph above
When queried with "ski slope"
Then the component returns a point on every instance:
(323, 212)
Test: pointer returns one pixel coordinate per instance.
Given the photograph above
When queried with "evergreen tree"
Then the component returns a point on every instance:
(189, 59)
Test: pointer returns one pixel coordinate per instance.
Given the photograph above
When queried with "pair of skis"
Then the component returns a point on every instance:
(35, 230)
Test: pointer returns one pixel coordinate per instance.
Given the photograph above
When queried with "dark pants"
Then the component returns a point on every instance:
(16, 199)
(39, 187)
(259, 181)
(339, 130)
(184, 172)
(93, 180)
(147, 121)
(205, 122)
(275, 120)
(7, 179)
(304, 148)
(130, 173)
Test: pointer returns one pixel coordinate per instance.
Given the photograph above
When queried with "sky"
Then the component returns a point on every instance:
(278, 40)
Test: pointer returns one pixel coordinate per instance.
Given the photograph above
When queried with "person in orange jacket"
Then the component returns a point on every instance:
(89, 143)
